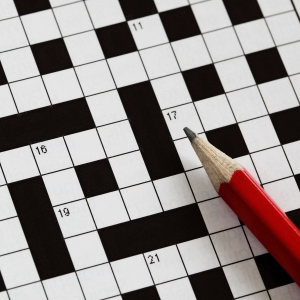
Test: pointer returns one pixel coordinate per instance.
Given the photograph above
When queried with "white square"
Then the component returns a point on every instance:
(223, 44)
(275, 6)
(65, 287)
(108, 209)
(111, 135)
(63, 186)
(29, 94)
(289, 291)
(182, 116)
(256, 246)
(187, 154)
(292, 151)
(218, 215)
(98, 282)
(141, 200)
(7, 10)
(129, 169)
(86, 250)
(191, 53)
(285, 28)
(201, 184)
(235, 74)
(19, 64)
(254, 36)
(7, 208)
(271, 164)
(211, 15)
(7, 105)
(12, 34)
(18, 269)
(74, 218)
(285, 193)
(243, 278)
(95, 78)
(73, 18)
(171, 91)
(4, 296)
(198, 255)
(105, 12)
(85, 147)
(247, 104)
(152, 33)
(2, 179)
(176, 290)
(18, 164)
(295, 82)
(163, 5)
(60, 2)
(290, 57)
(159, 61)
(84, 48)
(278, 95)
(174, 191)
(215, 112)
(32, 291)
(231, 245)
(131, 273)
(106, 108)
(52, 155)
(165, 264)
(12, 237)
(62, 86)
(127, 69)
(40, 26)
(259, 134)
(257, 296)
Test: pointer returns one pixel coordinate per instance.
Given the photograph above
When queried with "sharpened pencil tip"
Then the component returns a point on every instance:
(189, 133)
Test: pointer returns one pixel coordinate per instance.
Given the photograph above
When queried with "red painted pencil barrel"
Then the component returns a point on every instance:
(263, 217)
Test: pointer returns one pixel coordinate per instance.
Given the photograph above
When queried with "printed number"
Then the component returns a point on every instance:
(153, 259)
(64, 212)
(137, 26)
(41, 150)
(172, 115)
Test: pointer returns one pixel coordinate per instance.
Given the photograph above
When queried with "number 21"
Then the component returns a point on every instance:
(153, 259)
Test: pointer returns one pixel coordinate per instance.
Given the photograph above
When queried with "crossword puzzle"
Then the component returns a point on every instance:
(101, 194)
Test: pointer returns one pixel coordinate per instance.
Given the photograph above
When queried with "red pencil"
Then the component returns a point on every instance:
(252, 205)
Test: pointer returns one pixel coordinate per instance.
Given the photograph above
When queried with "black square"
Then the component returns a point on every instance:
(266, 65)
(297, 178)
(203, 82)
(116, 40)
(96, 178)
(2, 284)
(211, 285)
(3, 79)
(272, 274)
(51, 56)
(241, 11)
(179, 23)
(149, 293)
(228, 139)
(134, 9)
(30, 6)
(294, 215)
(287, 125)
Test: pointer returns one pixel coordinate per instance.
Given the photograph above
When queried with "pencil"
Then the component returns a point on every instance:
(277, 233)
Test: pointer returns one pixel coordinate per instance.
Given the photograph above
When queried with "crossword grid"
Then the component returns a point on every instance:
(163, 235)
